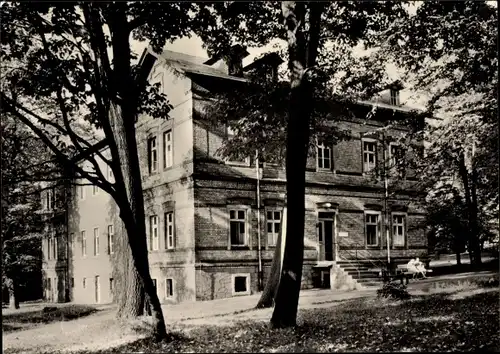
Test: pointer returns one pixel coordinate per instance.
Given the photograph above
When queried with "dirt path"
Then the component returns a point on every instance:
(100, 331)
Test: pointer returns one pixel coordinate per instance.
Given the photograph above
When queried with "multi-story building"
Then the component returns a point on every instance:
(205, 223)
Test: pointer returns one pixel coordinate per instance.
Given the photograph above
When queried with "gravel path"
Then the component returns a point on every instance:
(98, 331)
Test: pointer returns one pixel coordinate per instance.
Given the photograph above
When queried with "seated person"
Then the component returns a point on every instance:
(420, 267)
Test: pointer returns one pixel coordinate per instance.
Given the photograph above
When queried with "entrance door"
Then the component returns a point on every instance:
(97, 290)
(326, 236)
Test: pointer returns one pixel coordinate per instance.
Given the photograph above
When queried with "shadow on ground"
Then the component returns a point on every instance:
(48, 314)
(433, 322)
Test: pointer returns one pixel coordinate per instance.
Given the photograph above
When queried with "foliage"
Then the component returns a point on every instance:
(71, 65)
(21, 224)
(457, 69)
(339, 77)
(393, 290)
(429, 323)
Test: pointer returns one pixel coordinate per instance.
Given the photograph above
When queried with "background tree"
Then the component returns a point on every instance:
(77, 58)
(319, 37)
(22, 225)
(449, 52)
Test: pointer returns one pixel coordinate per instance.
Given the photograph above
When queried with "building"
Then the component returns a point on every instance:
(202, 210)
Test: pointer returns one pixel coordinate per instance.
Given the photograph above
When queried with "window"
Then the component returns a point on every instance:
(237, 227)
(241, 285)
(273, 226)
(154, 283)
(396, 159)
(84, 283)
(49, 247)
(369, 155)
(236, 160)
(95, 190)
(72, 241)
(111, 239)
(110, 284)
(398, 230)
(152, 155)
(324, 157)
(54, 244)
(169, 287)
(81, 192)
(49, 284)
(110, 174)
(84, 244)
(395, 97)
(167, 149)
(72, 282)
(96, 241)
(153, 232)
(47, 199)
(169, 230)
(372, 229)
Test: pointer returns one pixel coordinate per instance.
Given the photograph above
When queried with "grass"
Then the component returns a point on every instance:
(23, 320)
(432, 322)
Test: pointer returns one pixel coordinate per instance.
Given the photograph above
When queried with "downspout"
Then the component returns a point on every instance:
(67, 196)
(259, 247)
(386, 197)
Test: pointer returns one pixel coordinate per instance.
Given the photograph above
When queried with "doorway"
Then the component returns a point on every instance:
(326, 236)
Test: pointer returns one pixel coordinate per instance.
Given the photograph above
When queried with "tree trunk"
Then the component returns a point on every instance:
(459, 261)
(121, 103)
(268, 296)
(128, 293)
(469, 185)
(132, 211)
(302, 49)
(13, 293)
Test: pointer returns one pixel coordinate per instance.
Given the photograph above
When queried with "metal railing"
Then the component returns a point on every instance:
(350, 252)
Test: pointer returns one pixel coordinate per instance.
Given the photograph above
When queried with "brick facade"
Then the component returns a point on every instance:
(200, 189)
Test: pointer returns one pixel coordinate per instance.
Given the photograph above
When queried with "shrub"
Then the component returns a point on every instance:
(393, 290)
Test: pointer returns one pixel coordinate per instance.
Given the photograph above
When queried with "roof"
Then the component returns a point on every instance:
(195, 65)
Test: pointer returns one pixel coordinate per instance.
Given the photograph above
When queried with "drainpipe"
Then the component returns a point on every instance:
(386, 197)
(259, 250)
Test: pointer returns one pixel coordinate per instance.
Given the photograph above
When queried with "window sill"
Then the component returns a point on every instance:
(239, 247)
(324, 170)
(241, 293)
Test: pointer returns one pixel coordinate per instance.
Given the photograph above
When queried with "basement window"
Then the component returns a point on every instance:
(169, 287)
(241, 284)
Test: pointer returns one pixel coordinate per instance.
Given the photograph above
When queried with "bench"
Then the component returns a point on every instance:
(389, 276)
(406, 273)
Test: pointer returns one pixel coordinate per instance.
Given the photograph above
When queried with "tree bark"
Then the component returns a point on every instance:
(121, 102)
(13, 293)
(268, 296)
(302, 49)
(128, 293)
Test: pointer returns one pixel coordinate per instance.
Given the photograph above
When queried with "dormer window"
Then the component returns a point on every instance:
(394, 97)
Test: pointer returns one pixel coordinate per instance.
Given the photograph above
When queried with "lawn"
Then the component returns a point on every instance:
(24, 320)
(458, 320)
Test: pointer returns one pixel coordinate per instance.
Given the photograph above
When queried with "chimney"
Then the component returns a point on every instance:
(233, 60)
(267, 66)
